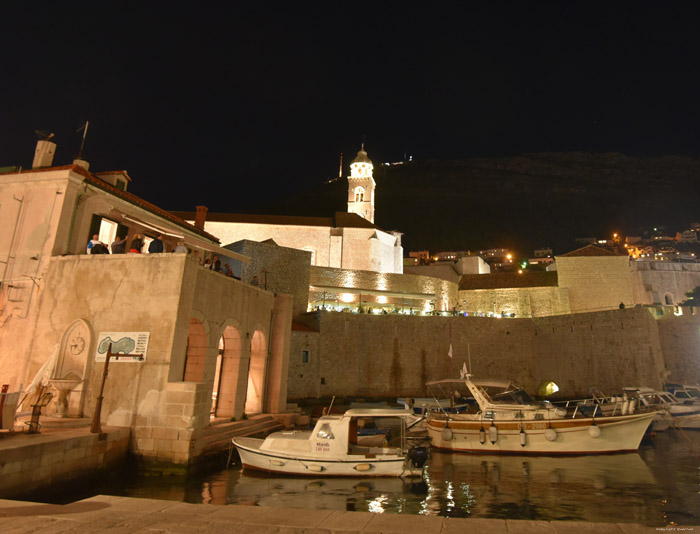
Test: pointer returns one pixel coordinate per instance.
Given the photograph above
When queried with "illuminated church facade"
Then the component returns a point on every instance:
(348, 240)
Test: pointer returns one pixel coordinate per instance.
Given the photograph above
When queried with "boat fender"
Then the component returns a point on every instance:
(363, 467)
(523, 438)
(550, 434)
(446, 434)
(625, 406)
(493, 434)
(633, 405)
(594, 431)
(560, 412)
(482, 436)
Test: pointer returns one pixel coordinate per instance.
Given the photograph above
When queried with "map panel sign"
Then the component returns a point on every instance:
(127, 346)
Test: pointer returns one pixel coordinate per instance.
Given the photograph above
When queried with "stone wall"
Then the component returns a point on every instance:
(53, 458)
(521, 301)
(395, 355)
(680, 342)
(596, 282)
(279, 269)
(663, 282)
(161, 294)
(445, 292)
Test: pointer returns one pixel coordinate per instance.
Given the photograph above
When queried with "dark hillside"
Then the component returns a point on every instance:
(527, 201)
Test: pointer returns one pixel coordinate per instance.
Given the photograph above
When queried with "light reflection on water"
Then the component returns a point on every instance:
(658, 486)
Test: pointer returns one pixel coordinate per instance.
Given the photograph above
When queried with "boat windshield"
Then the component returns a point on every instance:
(513, 396)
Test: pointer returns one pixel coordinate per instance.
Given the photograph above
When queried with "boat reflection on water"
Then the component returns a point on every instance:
(377, 494)
(548, 488)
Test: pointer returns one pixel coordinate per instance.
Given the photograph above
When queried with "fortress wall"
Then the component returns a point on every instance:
(680, 342)
(596, 282)
(522, 301)
(395, 355)
(662, 282)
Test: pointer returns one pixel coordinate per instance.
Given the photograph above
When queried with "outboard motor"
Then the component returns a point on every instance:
(418, 456)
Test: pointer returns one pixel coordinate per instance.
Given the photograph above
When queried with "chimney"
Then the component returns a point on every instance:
(81, 163)
(44, 153)
(200, 217)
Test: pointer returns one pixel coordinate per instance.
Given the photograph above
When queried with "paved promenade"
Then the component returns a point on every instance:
(122, 515)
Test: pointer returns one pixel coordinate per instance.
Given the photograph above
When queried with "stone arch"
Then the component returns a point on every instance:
(196, 352)
(256, 373)
(73, 363)
(226, 379)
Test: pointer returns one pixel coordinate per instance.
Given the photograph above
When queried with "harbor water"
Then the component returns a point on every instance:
(658, 486)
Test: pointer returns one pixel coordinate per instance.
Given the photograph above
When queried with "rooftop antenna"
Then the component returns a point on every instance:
(43, 135)
(363, 142)
(340, 169)
(84, 128)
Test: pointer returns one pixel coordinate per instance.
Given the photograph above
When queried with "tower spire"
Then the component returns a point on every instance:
(340, 168)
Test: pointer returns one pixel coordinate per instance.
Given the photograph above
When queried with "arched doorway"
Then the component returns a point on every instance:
(195, 356)
(256, 374)
(226, 379)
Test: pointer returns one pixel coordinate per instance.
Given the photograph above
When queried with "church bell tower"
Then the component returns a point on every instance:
(361, 186)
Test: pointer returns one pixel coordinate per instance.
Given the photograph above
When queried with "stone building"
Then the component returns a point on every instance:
(196, 348)
(346, 241)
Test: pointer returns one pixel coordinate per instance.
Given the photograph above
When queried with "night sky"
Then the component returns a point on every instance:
(232, 106)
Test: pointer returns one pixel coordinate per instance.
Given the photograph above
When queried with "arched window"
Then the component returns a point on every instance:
(359, 194)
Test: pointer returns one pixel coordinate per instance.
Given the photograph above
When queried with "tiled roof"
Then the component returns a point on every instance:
(341, 219)
(129, 197)
(590, 250)
(508, 280)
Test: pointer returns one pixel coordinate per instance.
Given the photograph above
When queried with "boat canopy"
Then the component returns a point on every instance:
(484, 383)
(378, 412)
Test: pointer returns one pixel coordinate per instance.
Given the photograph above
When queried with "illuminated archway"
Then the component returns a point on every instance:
(547, 388)
(196, 353)
(256, 374)
(226, 383)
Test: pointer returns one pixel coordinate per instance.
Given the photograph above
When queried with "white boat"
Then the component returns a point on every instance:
(674, 413)
(507, 420)
(332, 448)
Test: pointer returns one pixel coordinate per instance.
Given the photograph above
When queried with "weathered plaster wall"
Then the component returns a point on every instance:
(30, 215)
(394, 355)
(662, 282)
(523, 301)
(596, 282)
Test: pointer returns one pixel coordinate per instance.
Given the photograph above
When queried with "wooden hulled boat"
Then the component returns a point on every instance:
(335, 447)
(506, 420)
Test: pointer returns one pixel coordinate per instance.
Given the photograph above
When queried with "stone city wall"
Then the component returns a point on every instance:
(680, 342)
(522, 301)
(663, 282)
(395, 355)
(595, 282)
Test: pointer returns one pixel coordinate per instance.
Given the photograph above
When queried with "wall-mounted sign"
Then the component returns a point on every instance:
(126, 346)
